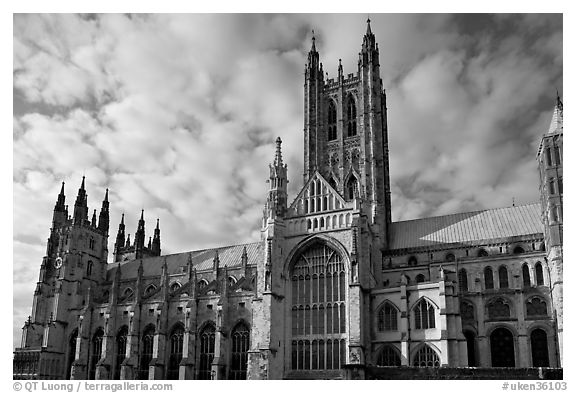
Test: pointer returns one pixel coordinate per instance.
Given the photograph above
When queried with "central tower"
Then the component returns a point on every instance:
(346, 133)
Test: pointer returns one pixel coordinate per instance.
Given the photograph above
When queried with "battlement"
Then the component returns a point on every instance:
(348, 80)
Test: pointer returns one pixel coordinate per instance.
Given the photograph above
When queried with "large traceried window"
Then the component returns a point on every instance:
(332, 133)
(318, 310)
(121, 341)
(424, 315)
(351, 116)
(388, 357)
(176, 346)
(240, 346)
(387, 317)
(426, 357)
(463, 280)
(207, 341)
(96, 352)
(147, 351)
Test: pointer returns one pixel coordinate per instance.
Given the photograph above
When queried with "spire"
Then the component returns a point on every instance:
(276, 203)
(128, 241)
(340, 70)
(557, 123)
(60, 215)
(278, 157)
(139, 237)
(369, 49)
(120, 239)
(368, 29)
(313, 49)
(104, 219)
(312, 70)
(81, 205)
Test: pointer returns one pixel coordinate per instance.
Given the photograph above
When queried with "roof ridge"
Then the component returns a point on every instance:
(206, 249)
(468, 212)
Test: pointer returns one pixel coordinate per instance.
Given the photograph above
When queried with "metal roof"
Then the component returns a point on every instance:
(467, 228)
(230, 256)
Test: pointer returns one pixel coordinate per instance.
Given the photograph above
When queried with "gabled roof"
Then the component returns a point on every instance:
(467, 228)
(230, 256)
(327, 190)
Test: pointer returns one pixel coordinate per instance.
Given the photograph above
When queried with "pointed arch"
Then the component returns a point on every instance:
(147, 351)
(536, 307)
(332, 129)
(176, 346)
(389, 356)
(351, 187)
(206, 341)
(71, 352)
(175, 286)
(240, 346)
(121, 342)
(539, 273)
(424, 314)
(96, 352)
(351, 116)
(499, 308)
(387, 317)
(149, 289)
(526, 276)
(425, 356)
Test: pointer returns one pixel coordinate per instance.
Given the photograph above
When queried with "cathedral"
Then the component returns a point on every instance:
(334, 289)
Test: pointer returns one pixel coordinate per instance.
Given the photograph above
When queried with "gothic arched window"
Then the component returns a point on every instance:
(332, 130)
(450, 257)
(147, 351)
(207, 340)
(240, 346)
(351, 187)
(463, 280)
(539, 274)
(412, 261)
(151, 288)
(96, 352)
(176, 347)
(351, 116)
(71, 352)
(318, 309)
(121, 341)
(525, 276)
(388, 317)
(488, 278)
(536, 307)
(551, 187)
(175, 286)
(518, 250)
(503, 276)
(498, 309)
(426, 357)
(89, 267)
(420, 278)
(388, 357)
(424, 315)
(482, 252)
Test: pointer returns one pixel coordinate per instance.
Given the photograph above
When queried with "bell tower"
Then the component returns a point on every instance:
(346, 132)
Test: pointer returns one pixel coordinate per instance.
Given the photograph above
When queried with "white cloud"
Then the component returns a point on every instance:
(177, 115)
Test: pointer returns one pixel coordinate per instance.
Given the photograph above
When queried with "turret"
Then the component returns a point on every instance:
(155, 249)
(276, 203)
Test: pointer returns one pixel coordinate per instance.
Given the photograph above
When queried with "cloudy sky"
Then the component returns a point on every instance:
(177, 115)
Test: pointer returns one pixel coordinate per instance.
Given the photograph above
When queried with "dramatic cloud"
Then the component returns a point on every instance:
(177, 115)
